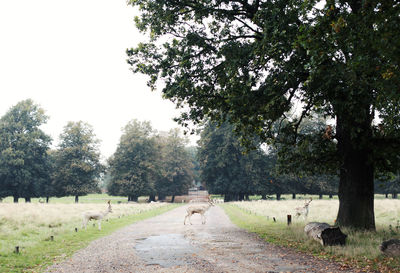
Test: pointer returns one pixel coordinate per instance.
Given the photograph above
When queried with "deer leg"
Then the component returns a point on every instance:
(84, 222)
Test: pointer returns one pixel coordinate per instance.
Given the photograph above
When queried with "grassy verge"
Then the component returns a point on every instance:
(360, 250)
(36, 256)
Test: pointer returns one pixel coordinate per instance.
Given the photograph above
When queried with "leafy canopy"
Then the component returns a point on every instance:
(23, 150)
(77, 166)
(250, 62)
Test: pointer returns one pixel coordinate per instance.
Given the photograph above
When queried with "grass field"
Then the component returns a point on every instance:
(32, 225)
(362, 248)
(90, 198)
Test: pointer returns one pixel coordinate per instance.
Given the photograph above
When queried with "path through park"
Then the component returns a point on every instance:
(164, 244)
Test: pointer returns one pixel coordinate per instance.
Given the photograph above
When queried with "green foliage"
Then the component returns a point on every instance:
(227, 169)
(133, 167)
(192, 152)
(310, 152)
(389, 186)
(24, 169)
(176, 173)
(77, 161)
(147, 163)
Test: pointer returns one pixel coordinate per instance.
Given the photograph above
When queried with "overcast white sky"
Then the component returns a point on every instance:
(69, 57)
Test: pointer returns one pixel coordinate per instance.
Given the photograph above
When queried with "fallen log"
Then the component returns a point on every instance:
(391, 247)
(325, 234)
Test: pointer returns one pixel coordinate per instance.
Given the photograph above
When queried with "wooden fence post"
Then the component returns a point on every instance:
(289, 219)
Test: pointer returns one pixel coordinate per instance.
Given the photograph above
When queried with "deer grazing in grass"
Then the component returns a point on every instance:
(95, 215)
(303, 210)
(200, 209)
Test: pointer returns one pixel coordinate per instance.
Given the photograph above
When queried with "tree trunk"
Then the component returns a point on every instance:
(230, 197)
(391, 247)
(76, 198)
(226, 198)
(173, 199)
(394, 195)
(330, 196)
(321, 196)
(15, 199)
(27, 199)
(356, 186)
(152, 197)
(325, 234)
(386, 195)
(264, 197)
(293, 196)
(161, 197)
(278, 196)
(47, 199)
(132, 198)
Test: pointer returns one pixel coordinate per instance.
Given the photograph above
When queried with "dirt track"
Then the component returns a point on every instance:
(164, 244)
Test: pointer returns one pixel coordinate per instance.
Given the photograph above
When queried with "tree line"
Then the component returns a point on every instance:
(145, 163)
(149, 163)
(229, 169)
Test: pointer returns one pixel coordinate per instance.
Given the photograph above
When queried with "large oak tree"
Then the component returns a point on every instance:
(250, 62)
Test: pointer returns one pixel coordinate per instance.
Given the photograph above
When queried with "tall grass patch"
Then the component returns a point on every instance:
(90, 198)
(362, 248)
(32, 225)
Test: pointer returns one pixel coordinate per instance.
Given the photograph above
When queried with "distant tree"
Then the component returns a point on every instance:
(23, 151)
(77, 161)
(310, 152)
(134, 167)
(321, 184)
(225, 168)
(176, 166)
(193, 151)
(391, 185)
(49, 187)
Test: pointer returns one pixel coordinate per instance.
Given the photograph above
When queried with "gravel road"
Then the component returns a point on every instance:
(164, 244)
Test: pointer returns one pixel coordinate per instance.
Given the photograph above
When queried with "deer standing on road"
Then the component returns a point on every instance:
(200, 209)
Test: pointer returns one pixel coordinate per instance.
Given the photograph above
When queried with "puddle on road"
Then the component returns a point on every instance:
(165, 250)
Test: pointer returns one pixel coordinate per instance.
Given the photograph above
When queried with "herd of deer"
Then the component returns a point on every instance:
(192, 209)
